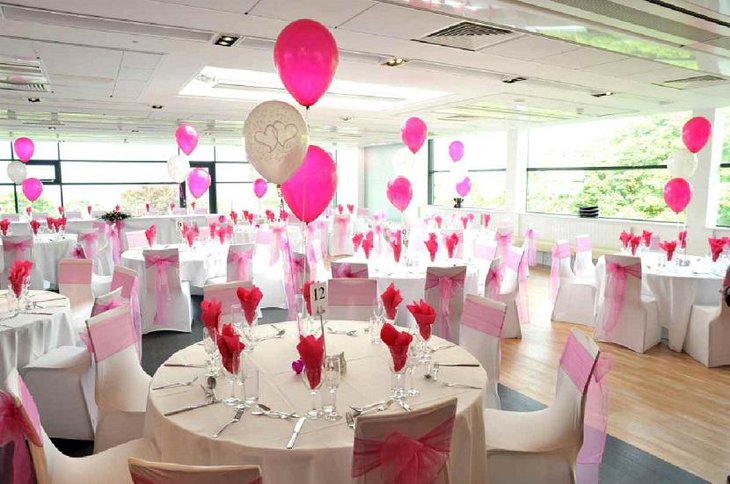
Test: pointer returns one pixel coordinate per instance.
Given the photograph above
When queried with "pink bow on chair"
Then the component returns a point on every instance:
(595, 424)
(89, 239)
(531, 237)
(102, 308)
(560, 251)
(116, 236)
(342, 224)
(344, 270)
(503, 241)
(279, 232)
(617, 276)
(21, 246)
(404, 460)
(15, 426)
(161, 264)
(447, 287)
(494, 283)
(242, 260)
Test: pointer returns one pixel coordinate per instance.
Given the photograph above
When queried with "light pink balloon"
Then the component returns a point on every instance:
(400, 192)
(464, 187)
(259, 187)
(456, 151)
(306, 58)
(32, 188)
(198, 182)
(677, 194)
(414, 133)
(24, 149)
(696, 132)
(312, 187)
(187, 138)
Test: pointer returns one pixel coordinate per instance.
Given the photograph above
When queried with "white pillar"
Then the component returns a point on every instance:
(516, 179)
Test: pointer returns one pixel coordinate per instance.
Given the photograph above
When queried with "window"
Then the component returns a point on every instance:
(484, 161)
(618, 165)
(723, 215)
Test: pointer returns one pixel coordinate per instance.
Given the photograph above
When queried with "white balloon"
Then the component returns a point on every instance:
(404, 162)
(458, 172)
(17, 172)
(277, 139)
(682, 163)
(178, 168)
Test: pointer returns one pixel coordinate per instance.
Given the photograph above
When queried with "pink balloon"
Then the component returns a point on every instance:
(456, 151)
(696, 132)
(464, 187)
(310, 190)
(24, 149)
(677, 194)
(187, 138)
(414, 133)
(259, 187)
(198, 182)
(400, 192)
(32, 188)
(306, 58)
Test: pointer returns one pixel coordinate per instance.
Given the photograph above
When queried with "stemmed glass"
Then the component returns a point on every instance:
(234, 379)
(237, 317)
(313, 381)
(332, 376)
(248, 332)
(210, 344)
(411, 365)
(397, 380)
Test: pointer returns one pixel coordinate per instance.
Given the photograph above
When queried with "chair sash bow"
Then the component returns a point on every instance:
(241, 261)
(504, 240)
(21, 246)
(344, 270)
(531, 237)
(115, 233)
(15, 427)
(494, 282)
(163, 296)
(447, 287)
(616, 292)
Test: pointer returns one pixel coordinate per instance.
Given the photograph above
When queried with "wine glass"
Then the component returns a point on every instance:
(233, 375)
(312, 378)
(248, 332)
(411, 365)
(332, 376)
(237, 317)
(250, 377)
(210, 345)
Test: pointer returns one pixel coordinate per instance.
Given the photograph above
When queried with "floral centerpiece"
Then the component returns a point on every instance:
(114, 216)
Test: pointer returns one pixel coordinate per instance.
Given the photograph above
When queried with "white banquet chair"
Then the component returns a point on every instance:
(708, 335)
(74, 282)
(106, 302)
(50, 466)
(583, 266)
(542, 446)
(20, 247)
(226, 294)
(165, 302)
(508, 293)
(493, 279)
(340, 242)
(480, 335)
(104, 259)
(240, 262)
(135, 239)
(631, 320)
(351, 299)
(574, 298)
(146, 472)
(349, 270)
(126, 279)
(267, 276)
(444, 290)
(430, 427)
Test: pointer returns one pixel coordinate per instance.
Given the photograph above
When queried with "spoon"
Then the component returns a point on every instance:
(379, 408)
(266, 410)
(279, 334)
(350, 420)
(352, 332)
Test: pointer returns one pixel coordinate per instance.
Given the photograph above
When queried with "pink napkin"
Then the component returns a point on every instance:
(451, 242)
(625, 238)
(234, 217)
(398, 343)
(270, 215)
(340, 208)
(716, 247)
(432, 245)
(211, 315)
(391, 299)
(350, 208)
(5, 225)
(19, 275)
(35, 225)
(646, 235)
(425, 315)
(250, 299)
(357, 240)
(669, 247)
(306, 294)
(486, 218)
(230, 347)
(464, 221)
(396, 242)
(190, 237)
(311, 350)
(635, 241)
(367, 244)
(212, 226)
(151, 234)
(682, 237)
(439, 220)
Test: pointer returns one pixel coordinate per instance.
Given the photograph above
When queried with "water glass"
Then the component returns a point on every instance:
(211, 350)
(248, 333)
(374, 327)
(250, 376)
(237, 317)
(234, 380)
(411, 366)
(332, 377)
(313, 381)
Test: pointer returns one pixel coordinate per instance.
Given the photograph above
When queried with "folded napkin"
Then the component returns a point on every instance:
(635, 241)
(357, 240)
(425, 315)
(250, 299)
(391, 299)
(222, 235)
(350, 208)
(398, 343)
(451, 242)
(60, 223)
(78, 252)
(625, 238)
(230, 347)
(190, 237)
(146, 208)
(246, 214)
(249, 218)
(396, 242)
(35, 225)
(486, 218)
(283, 215)
(669, 246)
(5, 225)
(716, 247)
(470, 216)
(213, 227)
(432, 245)
(682, 237)
(646, 235)
(19, 275)
(306, 294)
(61, 211)
(340, 208)
(439, 220)
(234, 216)
(464, 221)
(49, 223)
(270, 215)
(211, 315)
(311, 351)
(367, 244)
(28, 210)
(151, 234)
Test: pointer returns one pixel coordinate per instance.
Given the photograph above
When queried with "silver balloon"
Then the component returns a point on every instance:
(178, 168)
(404, 162)
(682, 163)
(17, 172)
(276, 140)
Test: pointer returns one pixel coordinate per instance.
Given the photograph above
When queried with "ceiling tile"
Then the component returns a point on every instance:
(129, 74)
(237, 6)
(581, 58)
(399, 22)
(626, 67)
(16, 48)
(329, 12)
(529, 47)
(662, 75)
(77, 60)
(140, 60)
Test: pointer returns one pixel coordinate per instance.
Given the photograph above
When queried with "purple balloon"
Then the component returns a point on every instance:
(24, 149)
(400, 192)
(414, 133)
(32, 188)
(456, 151)
(198, 182)
(464, 187)
(187, 138)
(259, 187)
(312, 187)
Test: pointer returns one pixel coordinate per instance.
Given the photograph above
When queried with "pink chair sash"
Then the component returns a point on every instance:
(523, 272)
(15, 426)
(577, 363)
(503, 241)
(242, 260)
(404, 460)
(145, 475)
(115, 233)
(278, 232)
(583, 244)
(130, 292)
(111, 336)
(344, 270)
(531, 237)
(595, 423)
(494, 282)
(102, 308)
(20, 248)
(447, 287)
(162, 295)
(349, 295)
(560, 251)
(616, 292)
(483, 318)
(89, 241)
(341, 228)
(293, 278)
(511, 260)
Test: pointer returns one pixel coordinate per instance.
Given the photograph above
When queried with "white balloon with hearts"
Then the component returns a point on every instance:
(404, 162)
(682, 163)
(178, 168)
(17, 172)
(277, 138)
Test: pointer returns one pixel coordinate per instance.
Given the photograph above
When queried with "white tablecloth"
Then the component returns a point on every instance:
(166, 225)
(204, 262)
(48, 250)
(323, 450)
(26, 337)
(73, 225)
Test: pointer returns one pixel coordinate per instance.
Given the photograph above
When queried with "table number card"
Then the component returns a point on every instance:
(318, 297)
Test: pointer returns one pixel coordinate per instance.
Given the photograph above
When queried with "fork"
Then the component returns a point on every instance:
(177, 384)
(236, 418)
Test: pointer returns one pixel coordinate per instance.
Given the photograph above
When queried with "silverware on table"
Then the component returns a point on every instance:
(404, 405)
(350, 420)
(460, 365)
(368, 406)
(236, 418)
(459, 385)
(297, 428)
(434, 350)
(177, 384)
(184, 365)
(379, 408)
(351, 332)
(192, 407)
(37, 312)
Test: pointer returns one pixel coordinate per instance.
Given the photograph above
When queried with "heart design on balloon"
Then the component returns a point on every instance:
(268, 137)
(286, 131)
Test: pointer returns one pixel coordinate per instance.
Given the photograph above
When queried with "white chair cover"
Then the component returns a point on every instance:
(226, 294)
(19, 247)
(136, 239)
(240, 262)
(708, 335)
(444, 291)
(575, 299)
(508, 293)
(267, 276)
(146, 472)
(104, 260)
(583, 266)
(351, 299)
(106, 302)
(165, 301)
(349, 270)
(126, 279)
(74, 282)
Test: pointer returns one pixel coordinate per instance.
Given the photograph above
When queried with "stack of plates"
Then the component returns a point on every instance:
(588, 212)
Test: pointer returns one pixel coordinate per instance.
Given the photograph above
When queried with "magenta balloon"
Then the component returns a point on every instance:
(198, 182)
(696, 132)
(306, 58)
(456, 150)
(187, 138)
(400, 192)
(677, 194)
(464, 187)
(259, 187)
(24, 149)
(32, 188)
(310, 190)
(414, 133)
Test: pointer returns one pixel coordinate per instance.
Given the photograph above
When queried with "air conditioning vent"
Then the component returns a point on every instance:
(17, 74)
(23, 86)
(694, 82)
(468, 36)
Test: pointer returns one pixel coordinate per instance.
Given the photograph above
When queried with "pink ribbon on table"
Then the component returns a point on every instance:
(616, 292)
(279, 232)
(162, 295)
(494, 282)
(595, 423)
(560, 251)
(89, 240)
(531, 237)
(20, 246)
(15, 426)
(402, 459)
(341, 226)
(116, 237)
(344, 270)
(242, 260)
(503, 241)
(447, 287)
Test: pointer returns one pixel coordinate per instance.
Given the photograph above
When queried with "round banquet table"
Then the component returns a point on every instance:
(197, 265)
(323, 451)
(676, 289)
(30, 335)
(48, 250)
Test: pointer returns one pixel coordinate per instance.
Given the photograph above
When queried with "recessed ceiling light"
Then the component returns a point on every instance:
(394, 61)
(157, 106)
(603, 94)
(52, 128)
(135, 131)
(34, 100)
(346, 118)
(512, 80)
(226, 40)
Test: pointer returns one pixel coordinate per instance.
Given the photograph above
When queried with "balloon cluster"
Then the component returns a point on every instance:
(18, 173)
(462, 182)
(400, 190)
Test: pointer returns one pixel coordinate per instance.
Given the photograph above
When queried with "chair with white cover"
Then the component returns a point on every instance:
(267, 275)
(74, 282)
(315, 257)
(493, 279)
(89, 241)
(19, 247)
(107, 302)
(708, 335)
(625, 316)
(165, 301)
(104, 259)
(504, 237)
(340, 241)
(543, 446)
(351, 299)
(509, 288)
(485, 251)
(136, 239)
(583, 266)
(126, 279)
(349, 270)
(444, 290)
(395, 447)
(226, 294)
(574, 298)
(13, 217)
(41, 459)
(146, 472)
(240, 262)
(122, 386)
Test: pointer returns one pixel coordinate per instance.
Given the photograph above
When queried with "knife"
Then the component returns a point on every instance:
(404, 405)
(297, 427)
(184, 365)
(468, 365)
(191, 407)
